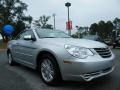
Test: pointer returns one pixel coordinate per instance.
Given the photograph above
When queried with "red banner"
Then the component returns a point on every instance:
(69, 25)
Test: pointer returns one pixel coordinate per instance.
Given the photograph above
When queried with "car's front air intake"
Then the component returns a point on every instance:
(103, 52)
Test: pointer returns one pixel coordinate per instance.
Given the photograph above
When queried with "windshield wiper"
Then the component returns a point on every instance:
(63, 37)
(48, 37)
(55, 37)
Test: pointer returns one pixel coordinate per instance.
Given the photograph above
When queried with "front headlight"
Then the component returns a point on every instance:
(79, 52)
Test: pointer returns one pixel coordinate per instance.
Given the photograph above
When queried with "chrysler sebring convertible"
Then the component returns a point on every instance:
(58, 56)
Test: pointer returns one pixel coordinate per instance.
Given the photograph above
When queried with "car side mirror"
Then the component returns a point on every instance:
(29, 37)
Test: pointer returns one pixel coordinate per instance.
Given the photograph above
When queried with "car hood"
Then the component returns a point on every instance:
(76, 42)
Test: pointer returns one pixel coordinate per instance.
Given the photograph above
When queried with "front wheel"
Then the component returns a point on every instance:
(10, 59)
(49, 70)
(114, 46)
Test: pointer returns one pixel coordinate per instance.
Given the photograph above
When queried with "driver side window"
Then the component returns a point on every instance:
(27, 32)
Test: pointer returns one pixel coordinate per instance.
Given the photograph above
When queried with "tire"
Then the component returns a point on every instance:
(49, 70)
(10, 59)
(114, 46)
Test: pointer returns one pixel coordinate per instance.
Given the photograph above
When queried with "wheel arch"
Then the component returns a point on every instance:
(8, 50)
(51, 54)
(43, 52)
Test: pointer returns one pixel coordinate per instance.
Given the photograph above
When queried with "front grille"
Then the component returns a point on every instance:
(103, 52)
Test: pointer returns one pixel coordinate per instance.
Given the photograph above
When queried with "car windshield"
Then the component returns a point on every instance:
(47, 33)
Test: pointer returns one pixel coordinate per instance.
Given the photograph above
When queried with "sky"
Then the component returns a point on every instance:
(82, 12)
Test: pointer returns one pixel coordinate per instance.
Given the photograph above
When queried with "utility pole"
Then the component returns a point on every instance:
(68, 5)
(54, 20)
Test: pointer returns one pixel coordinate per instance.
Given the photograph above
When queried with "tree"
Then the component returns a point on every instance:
(103, 29)
(81, 31)
(93, 28)
(109, 28)
(13, 13)
(42, 22)
(116, 24)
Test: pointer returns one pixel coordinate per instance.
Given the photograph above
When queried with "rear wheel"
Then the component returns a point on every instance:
(49, 70)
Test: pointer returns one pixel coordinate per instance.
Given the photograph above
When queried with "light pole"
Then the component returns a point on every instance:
(54, 19)
(68, 5)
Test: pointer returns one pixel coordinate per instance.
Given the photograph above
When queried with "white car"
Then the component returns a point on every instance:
(58, 56)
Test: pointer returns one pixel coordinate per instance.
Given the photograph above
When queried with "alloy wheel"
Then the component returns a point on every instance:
(47, 70)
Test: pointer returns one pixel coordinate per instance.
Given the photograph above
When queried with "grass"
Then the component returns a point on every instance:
(3, 45)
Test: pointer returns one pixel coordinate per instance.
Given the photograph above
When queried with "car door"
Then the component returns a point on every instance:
(16, 47)
(25, 49)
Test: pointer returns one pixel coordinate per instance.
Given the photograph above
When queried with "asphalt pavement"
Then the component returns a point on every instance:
(22, 78)
(9, 80)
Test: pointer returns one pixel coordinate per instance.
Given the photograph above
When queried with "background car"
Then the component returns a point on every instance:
(109, 41)
(116, 42)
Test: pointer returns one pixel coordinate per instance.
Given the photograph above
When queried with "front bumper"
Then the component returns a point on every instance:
(87, 69)
(93, 75)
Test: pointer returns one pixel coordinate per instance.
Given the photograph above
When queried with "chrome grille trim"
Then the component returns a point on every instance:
(103, 52)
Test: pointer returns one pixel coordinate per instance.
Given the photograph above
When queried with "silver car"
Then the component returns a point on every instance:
(58, 56)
